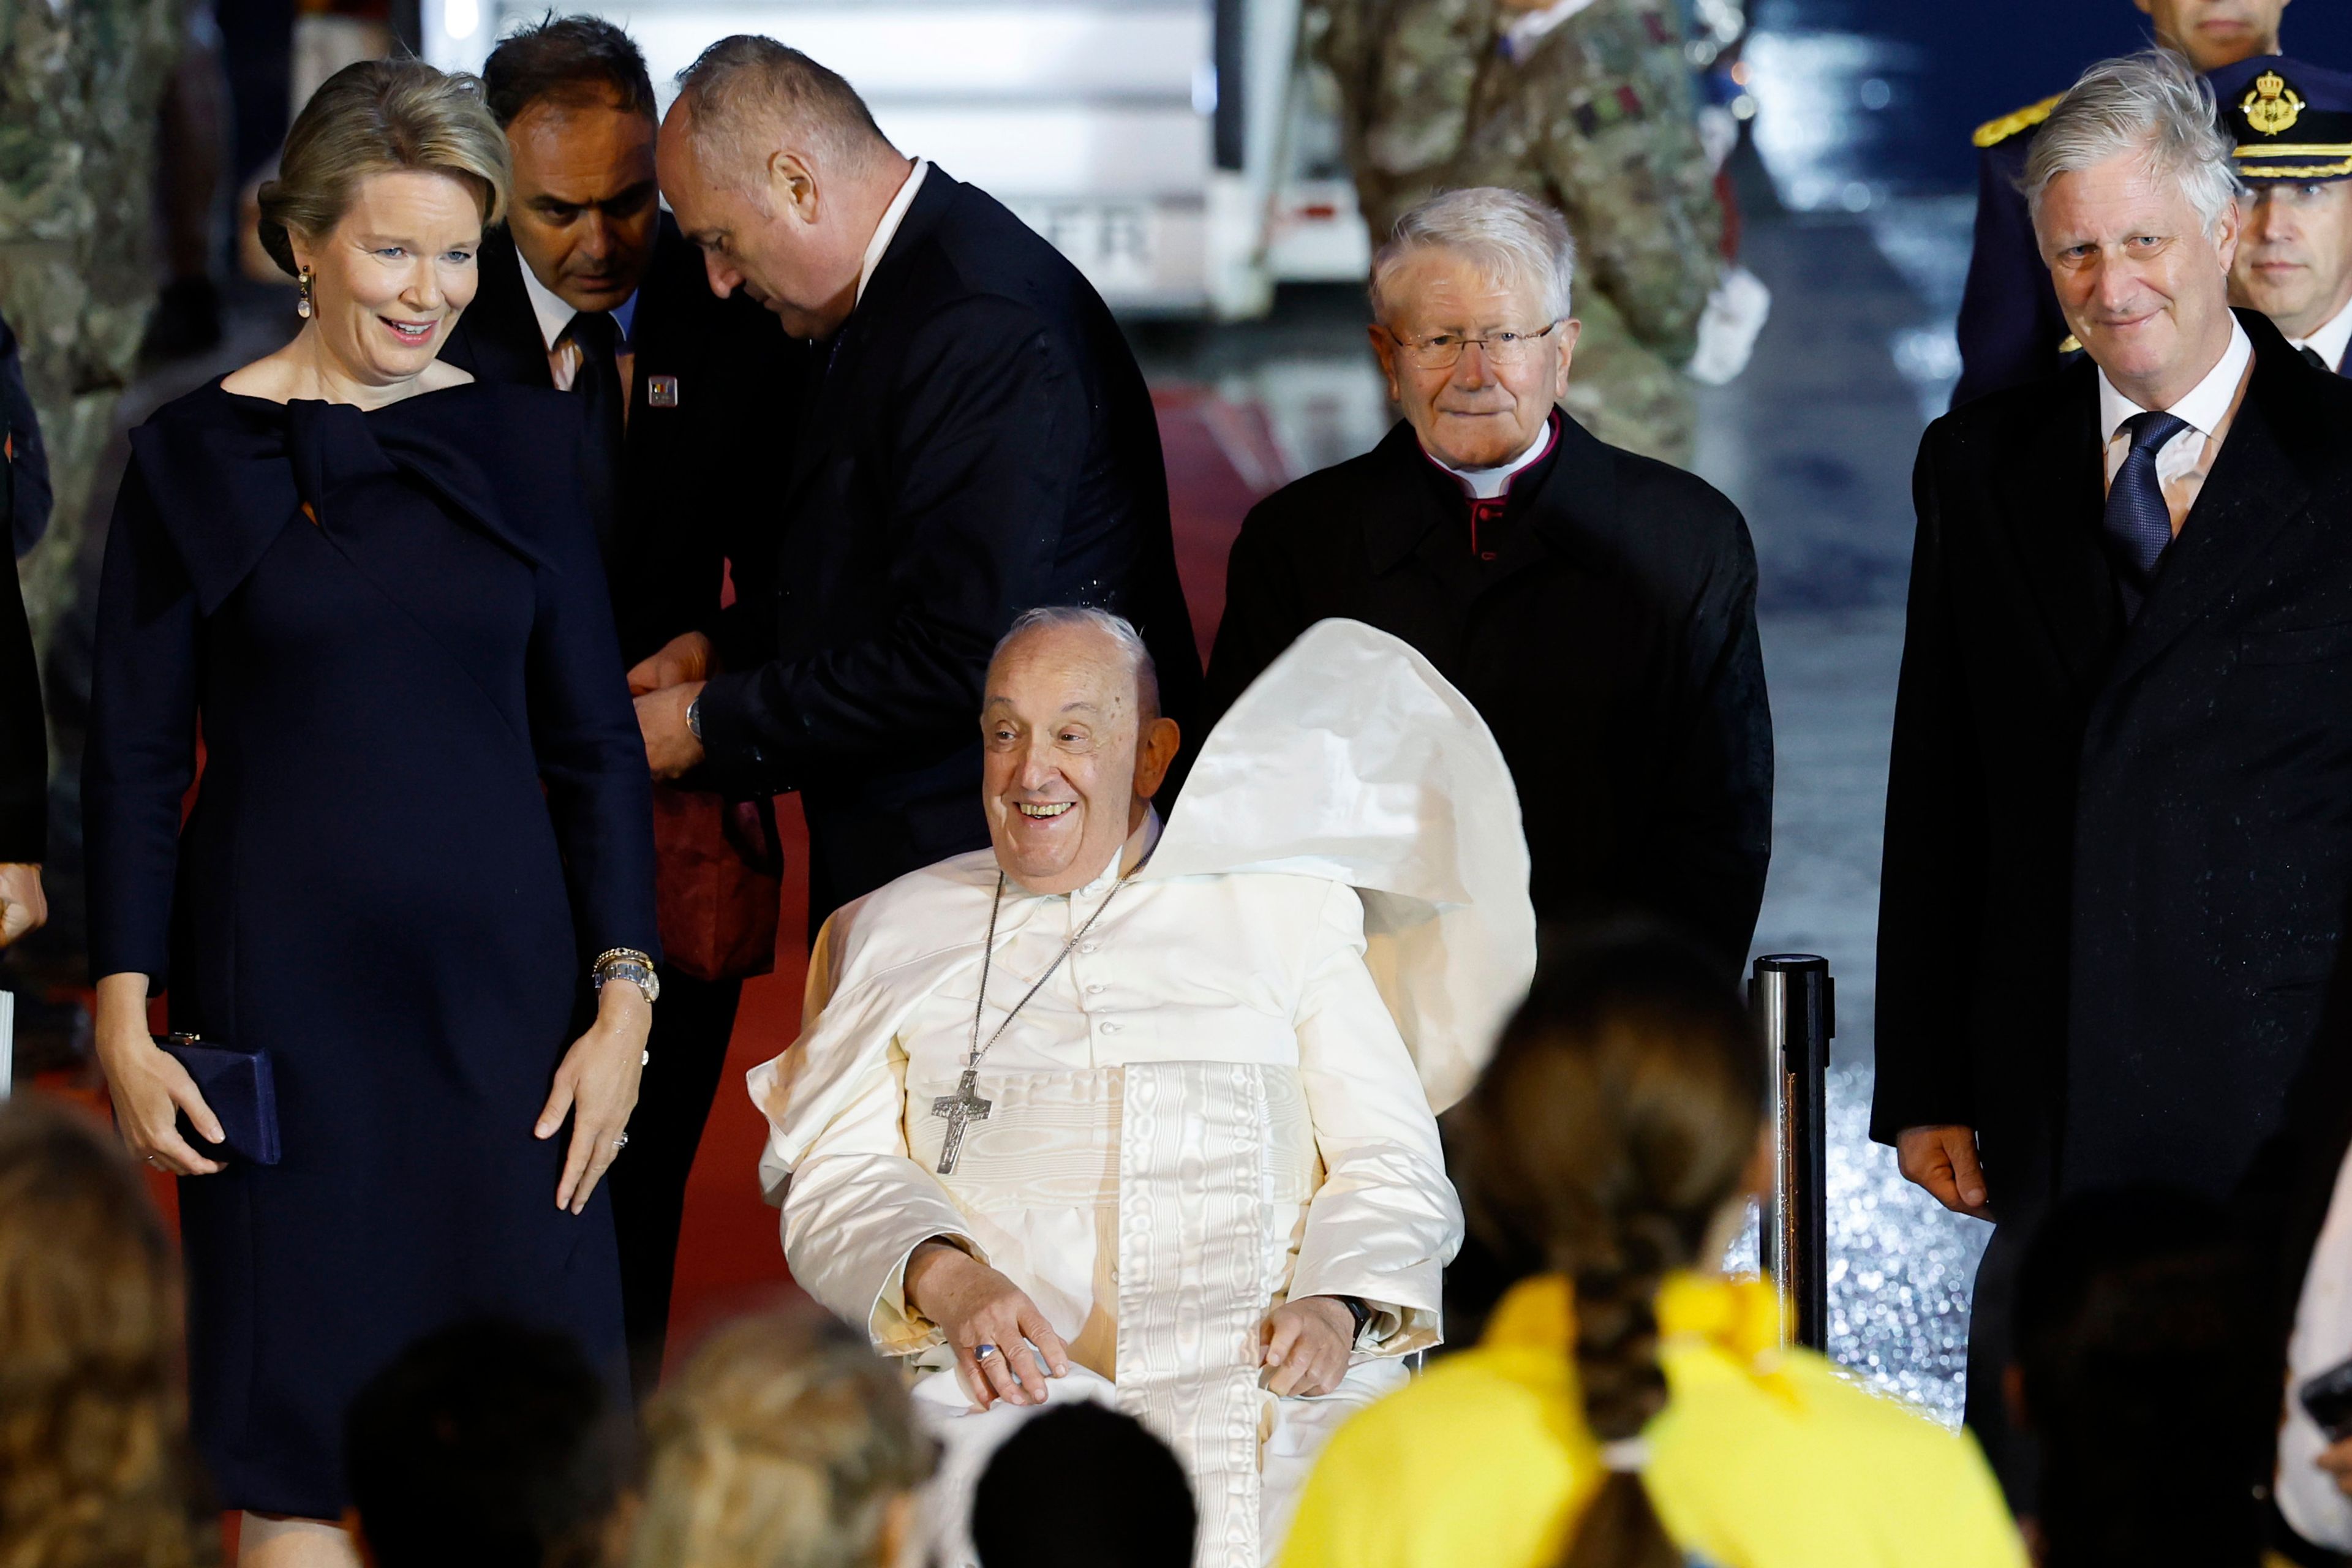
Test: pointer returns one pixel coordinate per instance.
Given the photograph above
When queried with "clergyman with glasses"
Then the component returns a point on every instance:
(1597, 607)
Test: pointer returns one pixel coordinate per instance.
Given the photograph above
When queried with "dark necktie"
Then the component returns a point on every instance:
(2317, 362)
(2138, 523)
(598, 381)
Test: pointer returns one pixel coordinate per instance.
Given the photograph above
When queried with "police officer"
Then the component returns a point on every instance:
(2009, 330)
(1584, 104)
(2293, 129)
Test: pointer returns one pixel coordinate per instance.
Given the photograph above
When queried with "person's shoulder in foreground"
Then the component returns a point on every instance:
(1763, 1456)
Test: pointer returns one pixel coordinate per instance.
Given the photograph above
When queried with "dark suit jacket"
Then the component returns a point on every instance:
(2010, 326)
(2117, 858)
(983, 444)
(1610, 646)
(688, 472)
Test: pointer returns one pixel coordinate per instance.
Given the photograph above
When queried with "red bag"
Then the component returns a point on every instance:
(719, 882)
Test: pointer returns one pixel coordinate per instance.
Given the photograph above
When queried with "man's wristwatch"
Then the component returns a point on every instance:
(694, 717)
(1358, 1311)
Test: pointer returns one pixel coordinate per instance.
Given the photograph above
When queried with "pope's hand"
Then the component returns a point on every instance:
(1943, 1160)
(684, 658)
(596, 1085)
(1307, 1342)
(973, 1305)
(670, 745)
(24, 908)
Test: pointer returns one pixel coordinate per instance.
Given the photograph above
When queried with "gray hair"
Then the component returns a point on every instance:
(1514, 237)
(2153, 103)
(1117, 629)
(744, 86)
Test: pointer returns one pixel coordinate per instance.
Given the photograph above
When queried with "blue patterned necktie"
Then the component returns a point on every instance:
(2138, 523)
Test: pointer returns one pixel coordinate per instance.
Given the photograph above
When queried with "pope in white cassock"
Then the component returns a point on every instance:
(1105, 1112)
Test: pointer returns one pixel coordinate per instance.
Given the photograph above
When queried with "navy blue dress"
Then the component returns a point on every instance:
(423, 809)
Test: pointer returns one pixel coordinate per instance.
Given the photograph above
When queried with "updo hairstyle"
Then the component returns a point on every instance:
(379, 117)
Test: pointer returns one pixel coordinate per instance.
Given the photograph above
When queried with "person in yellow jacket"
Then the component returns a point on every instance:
(1628, 1409)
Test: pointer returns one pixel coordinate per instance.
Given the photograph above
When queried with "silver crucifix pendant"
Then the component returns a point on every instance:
(961, 1109)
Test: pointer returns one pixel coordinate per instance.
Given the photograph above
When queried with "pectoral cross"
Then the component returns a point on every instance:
(961, 1109)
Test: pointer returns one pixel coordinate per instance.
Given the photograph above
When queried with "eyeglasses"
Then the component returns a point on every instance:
(1442, 351)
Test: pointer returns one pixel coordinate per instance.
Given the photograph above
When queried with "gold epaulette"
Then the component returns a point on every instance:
(1993, 132)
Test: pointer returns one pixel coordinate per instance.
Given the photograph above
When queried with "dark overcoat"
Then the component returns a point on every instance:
(983, 444)
(697, 460)
(2116, 856)
(1610, 646)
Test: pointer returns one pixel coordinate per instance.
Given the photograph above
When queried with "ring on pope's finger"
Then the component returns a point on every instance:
(982, 1352)
(622, 1142)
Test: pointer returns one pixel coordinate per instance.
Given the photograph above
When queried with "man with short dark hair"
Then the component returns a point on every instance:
(590, 287)
(2292, 122)
(983, 443)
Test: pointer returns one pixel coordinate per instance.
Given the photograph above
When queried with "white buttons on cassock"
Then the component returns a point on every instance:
(1110, 1028)
(1095, 989)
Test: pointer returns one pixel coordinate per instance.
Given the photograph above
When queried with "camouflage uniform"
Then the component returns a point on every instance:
(1597, 117)
(80, 82)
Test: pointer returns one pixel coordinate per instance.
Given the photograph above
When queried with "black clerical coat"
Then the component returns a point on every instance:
(982, 444)
(2116, 856)
(697, 458)
(1610, 645)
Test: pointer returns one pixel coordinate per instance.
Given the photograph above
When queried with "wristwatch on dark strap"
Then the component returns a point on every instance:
(694, 717)
(1358, 1311)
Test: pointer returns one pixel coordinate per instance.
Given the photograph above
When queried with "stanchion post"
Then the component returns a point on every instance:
(1793, 1001)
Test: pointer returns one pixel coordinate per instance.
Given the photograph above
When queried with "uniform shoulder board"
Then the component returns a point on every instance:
(1993, 132)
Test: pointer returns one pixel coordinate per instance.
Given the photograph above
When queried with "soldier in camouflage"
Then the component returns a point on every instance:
(80, 82)
(1587, 104)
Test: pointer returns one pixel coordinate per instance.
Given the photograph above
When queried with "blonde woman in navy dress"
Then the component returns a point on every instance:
(423, 831)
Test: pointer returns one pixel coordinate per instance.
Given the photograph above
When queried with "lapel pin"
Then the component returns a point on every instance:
(661, 392)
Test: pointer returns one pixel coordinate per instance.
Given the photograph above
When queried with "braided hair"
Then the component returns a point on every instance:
(1618, 1117)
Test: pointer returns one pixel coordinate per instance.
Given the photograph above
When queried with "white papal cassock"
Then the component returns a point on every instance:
(1212, 1105)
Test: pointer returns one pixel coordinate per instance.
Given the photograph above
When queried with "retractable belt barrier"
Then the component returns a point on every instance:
(1793, 1002)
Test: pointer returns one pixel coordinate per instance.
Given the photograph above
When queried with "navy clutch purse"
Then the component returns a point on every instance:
(240, 1088)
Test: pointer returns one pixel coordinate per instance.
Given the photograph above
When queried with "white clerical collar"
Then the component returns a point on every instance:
(2208, 402)
(887, 229)
(2331, 340)
(555, 314)
(1486, 484)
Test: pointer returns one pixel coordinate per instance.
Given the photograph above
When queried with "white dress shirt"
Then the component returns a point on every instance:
(2307, 1495)
(887, 229)
(2183, 463)
(555, 313)
(2331, 340)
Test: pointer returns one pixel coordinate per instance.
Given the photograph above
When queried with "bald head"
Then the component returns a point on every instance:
(746, 96)
(1073, 745)
(774, 168)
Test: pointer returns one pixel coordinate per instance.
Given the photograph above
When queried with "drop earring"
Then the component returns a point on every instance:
(302, 305)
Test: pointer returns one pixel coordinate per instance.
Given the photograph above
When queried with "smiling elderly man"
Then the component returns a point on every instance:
(1100, 1112)
(1598, 607)
(2117, 848)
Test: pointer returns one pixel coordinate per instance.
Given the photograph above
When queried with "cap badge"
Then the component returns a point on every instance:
(2273, 107)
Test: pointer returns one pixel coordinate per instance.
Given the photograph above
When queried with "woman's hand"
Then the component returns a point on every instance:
(597, 1086)
(1307, 1342)
(974, 1305)
(148, 1085)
